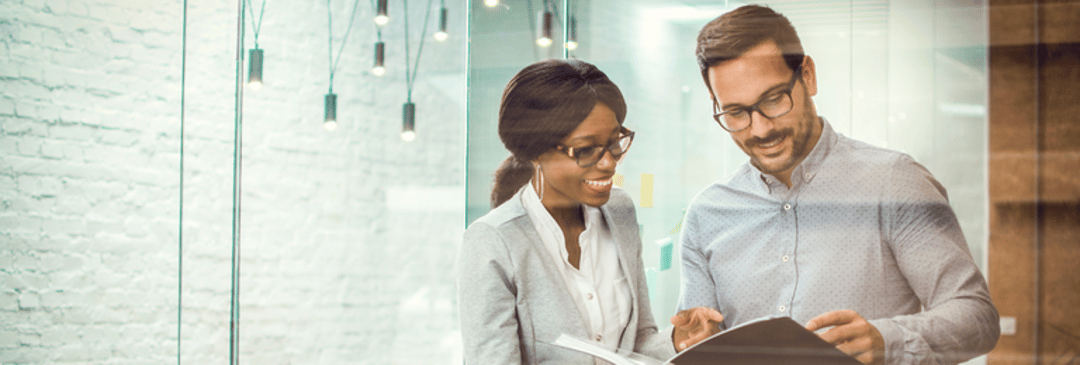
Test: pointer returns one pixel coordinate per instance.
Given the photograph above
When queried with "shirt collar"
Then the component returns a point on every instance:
(545, 223)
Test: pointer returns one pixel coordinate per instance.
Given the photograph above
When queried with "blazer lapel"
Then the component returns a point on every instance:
(562, 303)
(624, 235)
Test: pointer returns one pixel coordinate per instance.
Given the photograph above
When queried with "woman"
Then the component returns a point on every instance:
(560, 251)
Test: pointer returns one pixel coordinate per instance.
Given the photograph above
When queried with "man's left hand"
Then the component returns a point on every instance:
(852, 334)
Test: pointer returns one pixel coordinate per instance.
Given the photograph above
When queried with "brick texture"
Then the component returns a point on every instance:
(92, 154)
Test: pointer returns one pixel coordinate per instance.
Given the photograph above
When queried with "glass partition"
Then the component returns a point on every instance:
(908, 75)
(344, 236)
(118, 142)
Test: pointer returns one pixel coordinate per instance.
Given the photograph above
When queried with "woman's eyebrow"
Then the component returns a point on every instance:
(593, 138)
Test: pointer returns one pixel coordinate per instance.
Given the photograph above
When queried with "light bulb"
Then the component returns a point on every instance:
(571, 45)
(546, 20)
(491, 3)
(441, 34)
(408, 121)
(255, 65)
(381, 17)
(379, 68)
(330, 125)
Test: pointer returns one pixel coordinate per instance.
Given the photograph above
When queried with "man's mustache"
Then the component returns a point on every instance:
(769, 138)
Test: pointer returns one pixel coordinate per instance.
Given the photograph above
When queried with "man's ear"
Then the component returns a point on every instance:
(809, 76)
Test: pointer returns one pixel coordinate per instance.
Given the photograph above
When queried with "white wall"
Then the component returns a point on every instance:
(332, 270)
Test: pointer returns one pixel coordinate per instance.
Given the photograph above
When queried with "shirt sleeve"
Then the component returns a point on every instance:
(487, 299)
(958, 321)
(698, 289)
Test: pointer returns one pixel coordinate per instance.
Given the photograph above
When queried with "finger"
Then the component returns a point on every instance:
(706, 315)
(841, 333)
(853, 348)
(680, 319)
(695, 339)
(833, 318)
(865, 358)
(713, 315)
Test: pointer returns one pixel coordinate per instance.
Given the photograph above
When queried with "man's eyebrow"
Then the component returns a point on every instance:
(768, 91)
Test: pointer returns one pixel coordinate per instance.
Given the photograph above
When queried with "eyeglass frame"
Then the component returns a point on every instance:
(754, 107)
(623, 133)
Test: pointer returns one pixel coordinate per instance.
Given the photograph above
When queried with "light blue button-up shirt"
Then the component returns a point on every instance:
(861, 228)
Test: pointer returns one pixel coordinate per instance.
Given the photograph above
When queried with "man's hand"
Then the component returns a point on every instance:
(693, 325)
(852, 334)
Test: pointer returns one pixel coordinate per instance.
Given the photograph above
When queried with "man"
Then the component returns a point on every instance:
(857, 242)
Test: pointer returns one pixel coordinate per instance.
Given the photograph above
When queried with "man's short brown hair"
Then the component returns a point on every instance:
(732, 34)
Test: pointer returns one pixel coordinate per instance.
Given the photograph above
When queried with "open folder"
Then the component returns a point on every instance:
(778, 340)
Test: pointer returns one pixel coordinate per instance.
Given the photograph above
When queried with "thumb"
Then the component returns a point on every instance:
(678, 319)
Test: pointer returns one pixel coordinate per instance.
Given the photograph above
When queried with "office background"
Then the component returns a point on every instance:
(125, 198)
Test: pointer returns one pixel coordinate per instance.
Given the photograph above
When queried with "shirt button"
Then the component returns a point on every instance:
(786, 258)
(589, 296)
(782, 308)
(599, 338)
(807, 176)
(787, 206)
(768, 181)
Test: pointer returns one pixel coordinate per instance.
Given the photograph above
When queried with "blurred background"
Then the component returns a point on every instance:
(152, 199)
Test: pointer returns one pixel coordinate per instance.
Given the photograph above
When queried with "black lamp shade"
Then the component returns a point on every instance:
(380, 54)
(381, 16)
(408, 117)
(547, 22)
(255, 66)
(442, 20)
(573, 29)
(330, 109)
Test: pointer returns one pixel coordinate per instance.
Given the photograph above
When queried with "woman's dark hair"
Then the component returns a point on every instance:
(733, 33)
(540, 106)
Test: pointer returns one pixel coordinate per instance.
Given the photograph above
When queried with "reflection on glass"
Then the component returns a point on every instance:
(892, 83)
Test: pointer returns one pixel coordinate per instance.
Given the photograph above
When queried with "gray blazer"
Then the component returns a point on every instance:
(513, 302)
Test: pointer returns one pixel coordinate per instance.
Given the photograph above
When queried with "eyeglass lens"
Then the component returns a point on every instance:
(591, 155)
(774, 106)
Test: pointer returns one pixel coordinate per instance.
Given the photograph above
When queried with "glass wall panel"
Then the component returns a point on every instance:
(346, 236)
(209, 121)
(905, 75)
(502, 40)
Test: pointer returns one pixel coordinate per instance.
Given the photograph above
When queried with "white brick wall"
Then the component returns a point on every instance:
(90, 187)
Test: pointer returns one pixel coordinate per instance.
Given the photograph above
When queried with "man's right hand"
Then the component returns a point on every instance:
(693, 325)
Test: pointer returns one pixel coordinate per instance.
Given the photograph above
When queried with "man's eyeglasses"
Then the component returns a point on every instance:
(772, 106)
(590, 155)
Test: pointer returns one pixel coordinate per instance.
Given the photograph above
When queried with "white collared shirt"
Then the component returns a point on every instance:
(598, 285)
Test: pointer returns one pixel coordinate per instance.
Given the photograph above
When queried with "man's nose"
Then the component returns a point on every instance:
(760, 126)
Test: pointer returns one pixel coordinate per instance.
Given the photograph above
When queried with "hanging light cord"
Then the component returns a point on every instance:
(256, 25)
(330, 39)
(532, 26)
(410, 80)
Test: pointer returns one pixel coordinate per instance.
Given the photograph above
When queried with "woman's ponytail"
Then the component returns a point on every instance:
(511, 176)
